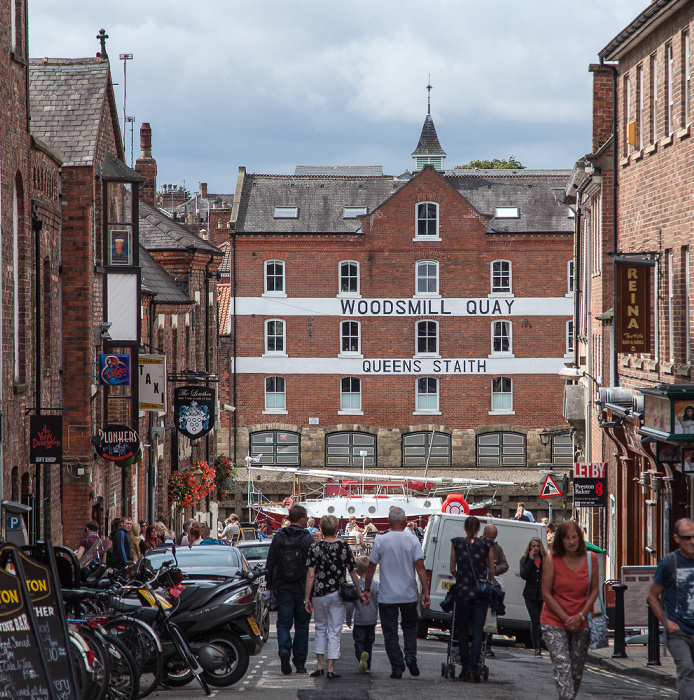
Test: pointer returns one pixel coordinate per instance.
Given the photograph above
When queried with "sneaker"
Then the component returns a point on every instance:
(476, 676)
(285, 664)
(364, 663)
(412, 666)
(464, 674)
(396, 674)
(489, 653)
(301, 669)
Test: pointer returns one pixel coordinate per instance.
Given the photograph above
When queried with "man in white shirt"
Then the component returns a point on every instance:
(400, 557)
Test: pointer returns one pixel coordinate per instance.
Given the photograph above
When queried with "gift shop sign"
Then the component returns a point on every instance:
(46, 439)
(194, 410)
(116, 443)
(590, 485)
(633, 306)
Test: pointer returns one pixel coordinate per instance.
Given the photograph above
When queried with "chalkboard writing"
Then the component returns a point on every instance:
(53, 635)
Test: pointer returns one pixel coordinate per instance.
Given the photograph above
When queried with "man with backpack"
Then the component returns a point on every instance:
(675, 577)
(286, 577)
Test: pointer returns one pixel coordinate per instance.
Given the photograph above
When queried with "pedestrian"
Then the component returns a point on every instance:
(472, 560)
(122, 551)
(206, 535)
(327, 562)
(365, 619)
(183, 537)
(400, 557)
(317, 536)
(135, 541)
(169, 537)
(531, 566)
(231, 529)
(311, 526)
(91, 537)
(674, 581)
(523, 514)
(286, 576)
(195, 534)
(151, 539)
(261, 532)
(551, 532)
(489, 534)
(568, 595)
(161, 530)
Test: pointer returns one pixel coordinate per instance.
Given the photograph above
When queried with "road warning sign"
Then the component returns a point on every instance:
(549, 488)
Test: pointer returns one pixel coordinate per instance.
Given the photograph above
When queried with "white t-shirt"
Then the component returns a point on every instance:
(396, 553)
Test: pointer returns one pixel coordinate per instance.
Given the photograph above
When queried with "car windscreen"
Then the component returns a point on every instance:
(198, 557)
(254, 553)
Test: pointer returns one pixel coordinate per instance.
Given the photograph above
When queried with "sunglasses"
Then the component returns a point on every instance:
(686, 538)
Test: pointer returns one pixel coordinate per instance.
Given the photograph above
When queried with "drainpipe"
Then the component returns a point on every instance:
(151, 474)
(233, 341)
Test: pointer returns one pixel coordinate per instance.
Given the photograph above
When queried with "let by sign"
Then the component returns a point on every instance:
(590, 485)
(633, 309)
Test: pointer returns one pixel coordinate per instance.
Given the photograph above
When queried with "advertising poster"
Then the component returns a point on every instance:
(46, 439)
(114, 370)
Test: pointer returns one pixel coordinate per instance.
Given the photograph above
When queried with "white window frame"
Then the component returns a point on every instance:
(348, 295)
(426, 237)
(639, 107)
(569, 338)
(350, 353)
(286, 213)
(499, 293)
(273, 293)
(654, 98)
(497, 398)
(627, 112)
(430, 295)
(507, 212)
(352, 410)
(427, 411)
(501, 353)
(275, 409)
(275, 353)
(686, 79)
(570, 278)
(434, 354)
(670, 86)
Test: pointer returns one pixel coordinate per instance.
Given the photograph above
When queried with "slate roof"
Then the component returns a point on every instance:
(160, 282)
(159, 232)
(351, 170)
(428, 140)
(223, 306)
(199, 203)
(67, 97)
(320, 201)
(225, 266)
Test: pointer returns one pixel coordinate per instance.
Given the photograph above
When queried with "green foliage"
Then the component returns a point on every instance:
(225, 477)
(496, 164)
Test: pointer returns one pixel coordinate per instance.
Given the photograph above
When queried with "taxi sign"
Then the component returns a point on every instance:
(549, 488)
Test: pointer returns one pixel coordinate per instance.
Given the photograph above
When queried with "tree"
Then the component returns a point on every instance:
(495, 164)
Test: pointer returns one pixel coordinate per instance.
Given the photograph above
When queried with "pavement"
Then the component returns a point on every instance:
(636, 663)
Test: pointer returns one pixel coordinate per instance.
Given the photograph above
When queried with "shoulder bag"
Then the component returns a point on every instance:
(598, 625)
(483, 587)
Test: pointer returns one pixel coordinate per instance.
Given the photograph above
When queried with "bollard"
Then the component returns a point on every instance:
(619, 650)
(653, 639)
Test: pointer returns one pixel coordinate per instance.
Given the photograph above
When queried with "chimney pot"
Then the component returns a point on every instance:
(145, 140)
(203, 190)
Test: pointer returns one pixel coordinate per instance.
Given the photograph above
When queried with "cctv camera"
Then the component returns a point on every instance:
(571, 373)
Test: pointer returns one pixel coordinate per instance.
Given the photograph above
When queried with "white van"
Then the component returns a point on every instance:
(513, 538)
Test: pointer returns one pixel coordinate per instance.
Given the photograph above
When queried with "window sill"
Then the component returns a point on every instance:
(426, 296)
(274, 354)
(684, 132)
(275, 412)
(350, 413)
(624, 161)
(349, 295)
(276, 295)
(637, 155)
(500, 354)
(502, 412)
(569, 295)
(426, 413)
(667, 141)
(426, 356)
(351, 356)
(652, 148)
(419, 239)
(500, 295)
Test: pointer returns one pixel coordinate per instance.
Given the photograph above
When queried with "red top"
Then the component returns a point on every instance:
(570, 590)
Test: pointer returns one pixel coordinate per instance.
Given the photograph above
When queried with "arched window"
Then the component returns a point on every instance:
(275, 341)
(501, 277)
(274, 278)
(343, 449)
(427, 278)
(427, 225)
(501, 449)
(427, 395)
(275, 395)
(426, 447)
(349, 278)
(427, 341)
(502, 394)
(350, 395)
(276, 447)
(502, 338)
(350, 338)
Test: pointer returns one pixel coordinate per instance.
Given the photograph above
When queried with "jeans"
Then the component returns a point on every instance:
(328, 616)
(364, 637)
(471, 612)
(389, 624)
(534, 610)
(292, 613)
(681, 646)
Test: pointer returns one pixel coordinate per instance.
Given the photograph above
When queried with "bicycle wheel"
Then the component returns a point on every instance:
(144, 644)
(124, 677)
(79, 655)
(100, 666)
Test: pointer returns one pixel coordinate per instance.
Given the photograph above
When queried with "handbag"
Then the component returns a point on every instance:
(483, 587)
(348, 592)
(449, 601)
(599, 637)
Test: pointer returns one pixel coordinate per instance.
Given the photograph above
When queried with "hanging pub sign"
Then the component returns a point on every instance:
(194, 410)
(590, 485)
(117, 443)
(633, 308)
(114, 370)
(46, 439)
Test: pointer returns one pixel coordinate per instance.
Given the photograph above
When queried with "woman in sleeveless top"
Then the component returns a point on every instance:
(568, 596)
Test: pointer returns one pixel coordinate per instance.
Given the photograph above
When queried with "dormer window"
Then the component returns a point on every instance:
(507, 213)
(286, 212)
(353, 212)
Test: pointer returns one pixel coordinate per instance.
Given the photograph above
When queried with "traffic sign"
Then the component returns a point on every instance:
(14, 522)
(549, 488)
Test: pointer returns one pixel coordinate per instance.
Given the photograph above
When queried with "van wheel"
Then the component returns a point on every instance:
(422, 629)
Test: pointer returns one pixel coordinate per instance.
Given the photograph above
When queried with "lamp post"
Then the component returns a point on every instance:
(362, 454)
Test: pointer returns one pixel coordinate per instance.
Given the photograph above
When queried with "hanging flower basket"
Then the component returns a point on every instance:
(225, 476)
(186, 488)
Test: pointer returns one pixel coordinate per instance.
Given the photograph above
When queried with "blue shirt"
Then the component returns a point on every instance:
(678, 596)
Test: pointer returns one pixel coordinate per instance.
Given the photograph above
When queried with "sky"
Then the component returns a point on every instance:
(270, 85)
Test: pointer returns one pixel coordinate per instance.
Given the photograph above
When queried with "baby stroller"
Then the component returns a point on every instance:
(453, 653)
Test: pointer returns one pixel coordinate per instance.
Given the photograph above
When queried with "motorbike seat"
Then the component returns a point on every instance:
(192, 596)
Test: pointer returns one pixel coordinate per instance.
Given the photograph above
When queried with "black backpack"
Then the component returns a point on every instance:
(291, 556)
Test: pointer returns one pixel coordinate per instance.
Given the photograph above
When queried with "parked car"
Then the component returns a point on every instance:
(254, 551)
(205, 562)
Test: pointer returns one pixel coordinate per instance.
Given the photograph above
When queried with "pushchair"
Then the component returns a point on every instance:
(453, 652)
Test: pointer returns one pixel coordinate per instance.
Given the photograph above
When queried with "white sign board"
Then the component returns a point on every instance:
(152, 383)
(639, 580)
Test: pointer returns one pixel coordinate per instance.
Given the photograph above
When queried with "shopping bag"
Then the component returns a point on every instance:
(490, 626)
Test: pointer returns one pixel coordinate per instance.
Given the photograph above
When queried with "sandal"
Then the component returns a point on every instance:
(316, 673)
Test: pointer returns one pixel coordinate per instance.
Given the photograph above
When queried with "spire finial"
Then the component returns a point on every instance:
(102, 36)
(429, 96)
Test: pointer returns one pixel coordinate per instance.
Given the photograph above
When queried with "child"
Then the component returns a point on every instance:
(365, 618)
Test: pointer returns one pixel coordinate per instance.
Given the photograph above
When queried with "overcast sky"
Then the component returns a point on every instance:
(269, 84)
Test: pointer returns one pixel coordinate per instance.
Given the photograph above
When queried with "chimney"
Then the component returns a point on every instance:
(203, 190)
(147, 167)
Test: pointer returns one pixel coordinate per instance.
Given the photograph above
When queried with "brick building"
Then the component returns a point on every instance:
(376, 313)
(639, 168)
